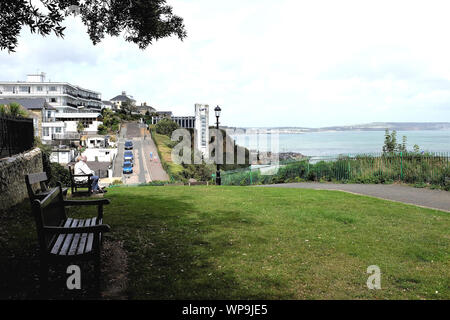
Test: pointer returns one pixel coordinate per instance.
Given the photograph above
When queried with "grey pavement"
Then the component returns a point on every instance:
(157, 173)
(435, 199)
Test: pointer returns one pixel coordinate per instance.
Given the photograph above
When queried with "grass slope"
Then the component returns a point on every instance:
(259, 243)
(163, 144)
(240, 243)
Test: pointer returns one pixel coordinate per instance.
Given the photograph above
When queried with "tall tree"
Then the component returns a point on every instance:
(390, 141)
(142, 21)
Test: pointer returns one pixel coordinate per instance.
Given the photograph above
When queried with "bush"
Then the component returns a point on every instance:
(427, 169)
(102, 129)
(58, 174)
(166, 127)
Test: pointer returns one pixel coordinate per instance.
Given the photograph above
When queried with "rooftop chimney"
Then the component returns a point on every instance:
(124, 93)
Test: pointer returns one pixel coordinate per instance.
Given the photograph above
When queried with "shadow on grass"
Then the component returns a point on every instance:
(20, 261)
(175, 247)
(172, 247)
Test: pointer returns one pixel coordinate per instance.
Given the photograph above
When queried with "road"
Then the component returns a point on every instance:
(144, 169)
(434, 199)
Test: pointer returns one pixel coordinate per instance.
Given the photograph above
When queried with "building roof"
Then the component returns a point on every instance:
(109, 103)
(164, 112)
(122, 97)
(141, 107)
(29, 103)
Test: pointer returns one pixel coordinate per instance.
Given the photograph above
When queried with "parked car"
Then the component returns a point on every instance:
(127, 167)
(128, 145)
(128, 156)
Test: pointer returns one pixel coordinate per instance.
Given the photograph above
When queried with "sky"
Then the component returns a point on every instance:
(268, 63)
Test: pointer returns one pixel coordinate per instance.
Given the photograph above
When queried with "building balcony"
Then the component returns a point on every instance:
(66, 136)
(71, 94)
(88, 114)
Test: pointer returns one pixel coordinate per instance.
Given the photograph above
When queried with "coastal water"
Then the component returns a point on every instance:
(345, 142)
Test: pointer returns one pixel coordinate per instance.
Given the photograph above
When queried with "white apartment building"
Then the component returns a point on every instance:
(202, 128)
(70, 104)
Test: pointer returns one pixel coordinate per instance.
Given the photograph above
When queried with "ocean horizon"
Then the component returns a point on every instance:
(333, 143)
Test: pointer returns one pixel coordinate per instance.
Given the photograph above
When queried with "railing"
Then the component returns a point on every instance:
(66, 136)
(16, 135)
(94, 107)
(432, 168)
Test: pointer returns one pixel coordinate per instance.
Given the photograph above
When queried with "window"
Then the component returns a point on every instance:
(24, 89)
(39, 89)
(52, 99)
(45, 132)
(58, 130)
(52, 88)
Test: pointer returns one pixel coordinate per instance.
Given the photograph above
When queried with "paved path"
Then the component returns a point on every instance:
(435, 199)
(156, 170)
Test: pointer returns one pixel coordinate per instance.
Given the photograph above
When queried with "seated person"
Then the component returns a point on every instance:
(82, 168)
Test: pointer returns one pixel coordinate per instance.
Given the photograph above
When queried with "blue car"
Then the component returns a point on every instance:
(128, 156)
(128, 145)
(127, 167)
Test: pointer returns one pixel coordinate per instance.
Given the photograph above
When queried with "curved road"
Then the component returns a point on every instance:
(434, 199)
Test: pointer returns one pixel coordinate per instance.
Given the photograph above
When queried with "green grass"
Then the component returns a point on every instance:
(268, 243)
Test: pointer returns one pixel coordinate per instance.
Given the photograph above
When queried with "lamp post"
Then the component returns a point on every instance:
(218, 179)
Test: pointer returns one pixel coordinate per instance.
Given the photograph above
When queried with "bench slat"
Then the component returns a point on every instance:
(61, 237)
(76, 239)
(90, 238)
(68, 239)
(83, 238)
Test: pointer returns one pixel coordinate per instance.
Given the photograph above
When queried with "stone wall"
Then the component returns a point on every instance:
(12, 176)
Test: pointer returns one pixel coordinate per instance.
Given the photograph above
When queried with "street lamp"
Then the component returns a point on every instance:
(218, 179)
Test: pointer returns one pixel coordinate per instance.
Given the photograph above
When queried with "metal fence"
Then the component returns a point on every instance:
(432, 168)
(16, 135)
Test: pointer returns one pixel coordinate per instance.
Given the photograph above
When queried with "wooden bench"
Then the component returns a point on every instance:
(67, 240)
(75, 184)
(43, 190)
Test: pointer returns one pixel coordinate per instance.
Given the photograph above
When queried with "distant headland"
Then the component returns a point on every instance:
(374, 126)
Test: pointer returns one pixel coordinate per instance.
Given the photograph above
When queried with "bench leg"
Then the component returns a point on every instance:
(43, 277)
(97, 269)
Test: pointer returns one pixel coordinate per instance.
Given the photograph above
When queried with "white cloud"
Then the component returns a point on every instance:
(269, 63)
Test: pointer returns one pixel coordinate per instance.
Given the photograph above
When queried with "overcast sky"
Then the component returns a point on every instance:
(268, 63)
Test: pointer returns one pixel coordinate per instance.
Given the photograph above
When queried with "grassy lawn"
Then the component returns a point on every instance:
(265, 243)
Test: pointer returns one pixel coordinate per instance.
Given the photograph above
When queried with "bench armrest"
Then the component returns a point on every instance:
(96, 202)
(90, 229)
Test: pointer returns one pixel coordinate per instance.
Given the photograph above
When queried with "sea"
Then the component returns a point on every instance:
(327, 143)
